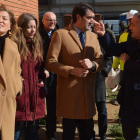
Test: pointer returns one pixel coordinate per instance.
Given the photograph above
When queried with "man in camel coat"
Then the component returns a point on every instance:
(76, 65)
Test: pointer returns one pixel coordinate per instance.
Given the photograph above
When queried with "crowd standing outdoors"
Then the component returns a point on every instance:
(67, 66)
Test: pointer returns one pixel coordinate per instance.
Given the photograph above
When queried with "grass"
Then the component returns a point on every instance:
(111, 95)
(115, 130)
(42, 121)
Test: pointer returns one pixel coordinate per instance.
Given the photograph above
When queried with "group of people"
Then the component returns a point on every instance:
(67, 66)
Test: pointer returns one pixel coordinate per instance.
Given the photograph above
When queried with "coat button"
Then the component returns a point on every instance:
(36, 77)
(3, 92)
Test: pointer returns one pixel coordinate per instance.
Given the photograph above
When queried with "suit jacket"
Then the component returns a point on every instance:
(10, 85)
(75, 95)
(51, 81)
(100, 88)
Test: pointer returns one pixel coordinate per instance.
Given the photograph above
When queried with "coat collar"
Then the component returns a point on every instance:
(74, 35)
(9, 56)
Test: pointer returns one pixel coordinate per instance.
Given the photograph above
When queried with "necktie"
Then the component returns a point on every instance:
(82, 38)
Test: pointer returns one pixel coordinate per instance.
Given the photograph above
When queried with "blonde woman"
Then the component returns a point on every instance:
(31, 105)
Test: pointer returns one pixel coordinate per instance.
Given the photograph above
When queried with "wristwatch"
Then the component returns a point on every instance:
(93, 67)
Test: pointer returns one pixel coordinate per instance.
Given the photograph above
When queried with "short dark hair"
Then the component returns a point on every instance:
(80, 9)
(137, 15)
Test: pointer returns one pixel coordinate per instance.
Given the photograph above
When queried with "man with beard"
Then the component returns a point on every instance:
(75, 56)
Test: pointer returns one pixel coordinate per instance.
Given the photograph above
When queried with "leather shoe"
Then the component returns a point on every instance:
(50, 137)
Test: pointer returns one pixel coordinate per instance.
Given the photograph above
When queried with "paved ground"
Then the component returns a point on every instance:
(42, 136)
(112, 117)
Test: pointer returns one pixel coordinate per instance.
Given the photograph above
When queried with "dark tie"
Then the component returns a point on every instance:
(82, 38)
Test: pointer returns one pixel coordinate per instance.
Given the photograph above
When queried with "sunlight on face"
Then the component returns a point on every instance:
(30, 30)
(135, 27)
(86, 21)
(4, 22)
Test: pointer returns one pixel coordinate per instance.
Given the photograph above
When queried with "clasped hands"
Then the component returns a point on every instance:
(82, 72)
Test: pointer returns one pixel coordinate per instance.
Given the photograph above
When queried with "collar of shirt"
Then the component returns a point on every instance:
(77, 31)
(49, 34)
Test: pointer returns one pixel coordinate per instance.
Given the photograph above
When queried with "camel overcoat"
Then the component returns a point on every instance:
(75, 95)
(10, 85)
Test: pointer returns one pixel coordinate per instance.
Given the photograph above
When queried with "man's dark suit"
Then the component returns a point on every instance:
(50, 86)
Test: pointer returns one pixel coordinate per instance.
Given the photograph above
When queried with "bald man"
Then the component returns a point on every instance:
(49, 26)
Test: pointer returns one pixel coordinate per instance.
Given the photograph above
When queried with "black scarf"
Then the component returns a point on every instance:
(2, 41)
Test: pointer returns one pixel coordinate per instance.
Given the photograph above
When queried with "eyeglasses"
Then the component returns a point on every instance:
(49, 20)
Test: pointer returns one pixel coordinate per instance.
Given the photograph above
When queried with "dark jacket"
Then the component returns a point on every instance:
(31, 104)
(111, 34)
(100, 87)
(51, 81)
(116, 49)
(129, 94)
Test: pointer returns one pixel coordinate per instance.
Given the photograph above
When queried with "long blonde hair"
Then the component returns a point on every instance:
(12, 34)
(37, 47)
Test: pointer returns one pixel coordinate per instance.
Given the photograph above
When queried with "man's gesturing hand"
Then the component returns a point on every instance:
(99, 28)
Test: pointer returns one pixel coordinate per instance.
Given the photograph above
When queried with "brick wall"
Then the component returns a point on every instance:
(21, 6)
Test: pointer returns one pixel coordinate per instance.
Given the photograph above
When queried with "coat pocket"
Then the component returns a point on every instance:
(41, 91)
(21, 102)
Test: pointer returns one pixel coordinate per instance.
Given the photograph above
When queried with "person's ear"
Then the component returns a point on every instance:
(42, 20)
(78, 17)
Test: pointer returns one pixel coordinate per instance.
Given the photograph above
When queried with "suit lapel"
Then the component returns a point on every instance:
(73, 34)
(9, 55)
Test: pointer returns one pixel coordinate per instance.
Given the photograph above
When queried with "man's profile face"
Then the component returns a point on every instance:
(135, 27)
(49, 21)
(86, 21)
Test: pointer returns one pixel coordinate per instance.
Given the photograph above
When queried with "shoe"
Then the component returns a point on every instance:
(102, 138)
(114, 102)
(51, 136)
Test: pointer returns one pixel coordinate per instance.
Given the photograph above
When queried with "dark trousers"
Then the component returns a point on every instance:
(51, 114)
(85, 128)
(30, 129)
(102, 118)
(130, 131)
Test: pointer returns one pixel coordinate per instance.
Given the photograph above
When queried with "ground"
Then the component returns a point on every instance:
(112, 113)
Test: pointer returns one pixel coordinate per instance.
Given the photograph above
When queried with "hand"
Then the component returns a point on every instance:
(115, 69)
(46, 73)
(41, 82)
(86, 63)
(79, 72)
(99, 28)
(125, 57)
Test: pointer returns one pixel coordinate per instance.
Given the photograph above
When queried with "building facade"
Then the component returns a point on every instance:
(21, 6)
(109, 9)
